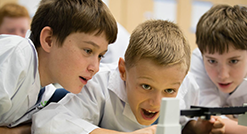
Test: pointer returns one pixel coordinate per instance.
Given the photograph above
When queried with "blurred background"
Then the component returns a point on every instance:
(129, 13)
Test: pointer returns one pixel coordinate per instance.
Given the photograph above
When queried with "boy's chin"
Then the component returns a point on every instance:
(226, 90)
(147, 122)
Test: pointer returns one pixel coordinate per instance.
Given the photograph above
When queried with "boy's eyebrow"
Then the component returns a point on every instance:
(175, 83)
(235, 57)
(92, 43)
(228, 58)
(209, 57)
(143, 77)
(179, 83)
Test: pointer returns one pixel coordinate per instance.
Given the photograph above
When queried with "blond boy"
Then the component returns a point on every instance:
(125, 97)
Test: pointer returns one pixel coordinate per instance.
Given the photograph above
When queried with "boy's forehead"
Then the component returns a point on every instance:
(219, 48)
(145, 62)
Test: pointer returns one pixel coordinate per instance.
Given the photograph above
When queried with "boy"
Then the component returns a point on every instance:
(220, 62)
(14, 19)
(125, 98)
(68, 39)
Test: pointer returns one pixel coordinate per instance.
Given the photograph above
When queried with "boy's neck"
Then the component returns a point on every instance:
(42, 67)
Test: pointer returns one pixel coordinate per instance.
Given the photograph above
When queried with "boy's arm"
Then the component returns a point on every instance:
(72, 114)
(55, 119)
(148, 130)
(232, 127)
(23, 129)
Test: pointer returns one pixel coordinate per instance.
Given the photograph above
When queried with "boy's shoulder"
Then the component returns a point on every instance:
(13, 41)
(189, 84)
(13, 38)
(188, 92)
(106, 68)
(197, 53)
(104, 73)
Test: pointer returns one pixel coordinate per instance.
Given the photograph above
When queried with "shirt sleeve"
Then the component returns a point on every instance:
(13, 70)
(58, 119)
(75, 113)
(188, 95)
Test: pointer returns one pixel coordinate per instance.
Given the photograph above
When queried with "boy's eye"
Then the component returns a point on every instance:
(211, 61)
(89, 51)
(170, 91)
(11, 30)
(146, 87)
(234, 61)
(23, 31)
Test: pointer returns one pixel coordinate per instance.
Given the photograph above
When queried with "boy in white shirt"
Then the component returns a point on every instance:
(125, 97)
(68, 39)
(219, 64)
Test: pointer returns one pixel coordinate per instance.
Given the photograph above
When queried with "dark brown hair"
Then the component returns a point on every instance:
(221, 26)
(70, 16)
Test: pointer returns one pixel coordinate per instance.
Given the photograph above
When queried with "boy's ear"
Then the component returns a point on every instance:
(46, 38)
(122, 69)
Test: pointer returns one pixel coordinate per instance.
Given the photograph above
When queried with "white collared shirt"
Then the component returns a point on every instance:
(19, 79)
(101, 103)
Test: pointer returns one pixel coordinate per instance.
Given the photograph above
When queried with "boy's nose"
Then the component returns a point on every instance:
(93, 67)
(223, 72)
(155, 99)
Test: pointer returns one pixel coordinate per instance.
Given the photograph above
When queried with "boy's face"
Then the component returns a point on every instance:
(15, 26)
(73, 64)
(227, 70)
(146, 84)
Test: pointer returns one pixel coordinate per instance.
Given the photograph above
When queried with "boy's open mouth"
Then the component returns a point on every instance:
(147, 114)
(83, 78)
(224, 84)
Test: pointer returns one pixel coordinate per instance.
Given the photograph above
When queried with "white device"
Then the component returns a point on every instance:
(169, 117)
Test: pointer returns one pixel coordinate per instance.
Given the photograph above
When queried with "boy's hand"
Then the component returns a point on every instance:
(147, 130)
(213, 126)
(218, 126)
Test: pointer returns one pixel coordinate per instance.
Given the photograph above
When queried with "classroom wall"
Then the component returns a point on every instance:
(130, 13)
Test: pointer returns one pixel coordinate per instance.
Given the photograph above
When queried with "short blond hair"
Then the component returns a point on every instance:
(161, 41)
(13, 10)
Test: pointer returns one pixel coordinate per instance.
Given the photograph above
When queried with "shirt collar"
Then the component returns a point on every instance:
(117, 85)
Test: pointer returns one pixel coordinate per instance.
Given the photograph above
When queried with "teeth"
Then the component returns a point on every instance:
(151, 112)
